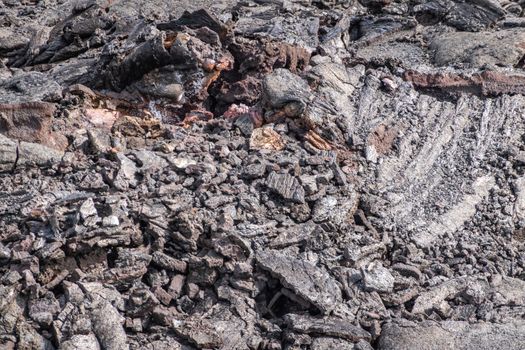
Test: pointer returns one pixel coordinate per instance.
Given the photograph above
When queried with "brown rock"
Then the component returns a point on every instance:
(176, 285)
(141, 127)
(487, 83)
(317, 141)
(266, 138)
(31, 122)
(101, 117)
(163, 296)
(169, 263)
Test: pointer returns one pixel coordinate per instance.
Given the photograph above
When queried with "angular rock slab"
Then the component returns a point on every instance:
(287, 186)
(309, 282)
(283, 87)
(13, 153)
(332, 327)
(31, 122)
(328, 343)
(81, 341)
(107, 325)
(503, 48)
(8, 155)
(453, 335)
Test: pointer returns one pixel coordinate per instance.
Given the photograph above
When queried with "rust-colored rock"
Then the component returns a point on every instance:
(488, 83)
(102, 117)
(317, 141)
(196, 116)
(247, 90)
(382, 138)
(134, 126)
(264, 56)
(436, 80)
(31, 122)
(495, 83)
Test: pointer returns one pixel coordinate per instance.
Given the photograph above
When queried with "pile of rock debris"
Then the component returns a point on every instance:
(264, 174)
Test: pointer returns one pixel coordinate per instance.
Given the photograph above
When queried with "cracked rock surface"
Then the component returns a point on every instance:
(287, 174)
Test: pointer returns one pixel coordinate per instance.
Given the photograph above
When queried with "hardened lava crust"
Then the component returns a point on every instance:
(262, 175)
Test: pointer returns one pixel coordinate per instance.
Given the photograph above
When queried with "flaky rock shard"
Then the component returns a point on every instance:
(287, 186)
(327, 327)
(311, 283)
(107, 325)
(13, 154)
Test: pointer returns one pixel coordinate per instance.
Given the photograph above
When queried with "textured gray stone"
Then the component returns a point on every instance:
(81, 341)
(107, 326)
(283, 87)
(287, 186)
(332, 327)
(312, 283)
(453, 335)
(377, 278)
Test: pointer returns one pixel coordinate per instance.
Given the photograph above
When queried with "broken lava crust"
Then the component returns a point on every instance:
(285, 174)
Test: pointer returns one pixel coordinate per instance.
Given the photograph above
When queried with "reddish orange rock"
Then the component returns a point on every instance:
(488, 83)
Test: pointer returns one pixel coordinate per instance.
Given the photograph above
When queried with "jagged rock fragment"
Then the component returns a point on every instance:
(282, 88)
(287, 186)
(377, 278)
(81, 341)
(43, 310)
(338, 211)
(107, 325)
(125, 176)
(201, 333)
(326, 327)
(477, 50)
(308, 281)
(167, 262)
